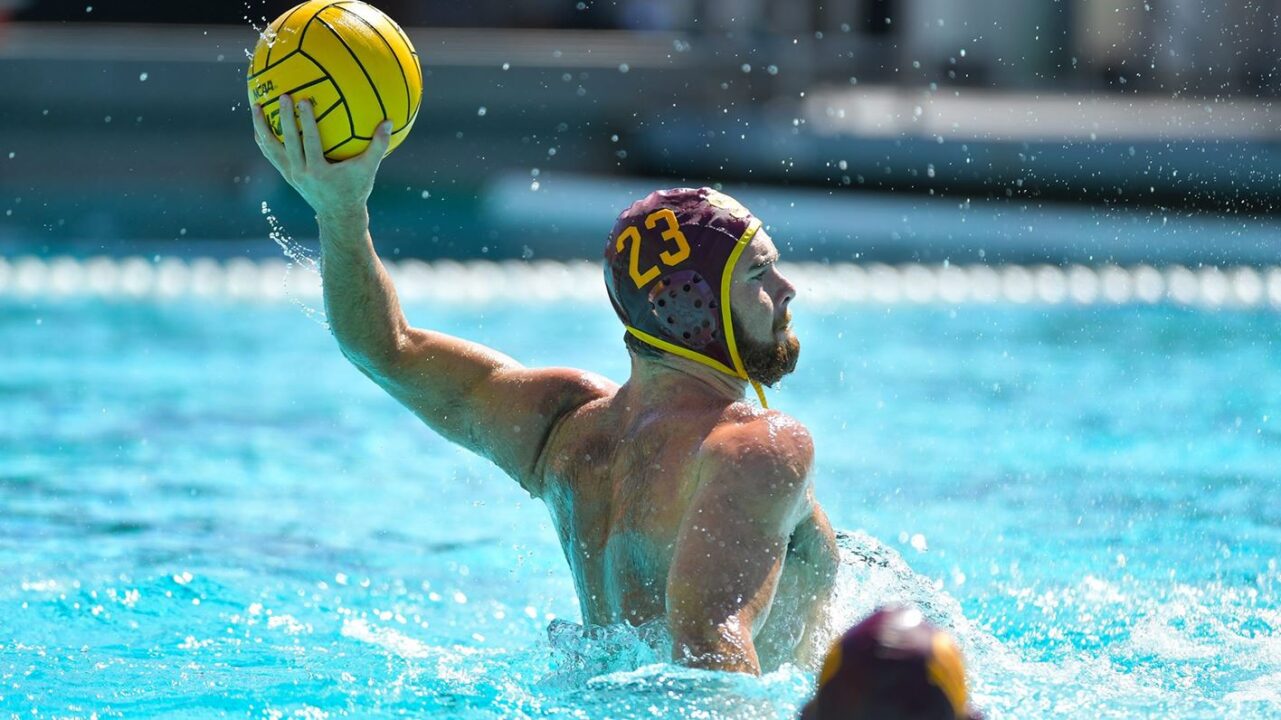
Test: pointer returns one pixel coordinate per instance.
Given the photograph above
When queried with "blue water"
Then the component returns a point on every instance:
(206, 511)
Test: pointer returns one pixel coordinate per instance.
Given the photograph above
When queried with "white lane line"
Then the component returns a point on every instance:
(450, 281)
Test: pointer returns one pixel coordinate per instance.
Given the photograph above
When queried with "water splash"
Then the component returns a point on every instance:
(580, 653)
(872, 575)
(602, 670)
(1183, 631)
(596, 671)
(299, 255)
(266, 32)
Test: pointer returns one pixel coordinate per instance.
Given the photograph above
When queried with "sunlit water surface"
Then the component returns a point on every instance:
(206, 511)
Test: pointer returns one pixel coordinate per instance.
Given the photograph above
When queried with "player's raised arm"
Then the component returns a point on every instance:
(469, 393)
(359, 298)
(731, 548)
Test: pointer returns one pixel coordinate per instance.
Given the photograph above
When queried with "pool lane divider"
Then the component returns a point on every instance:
(472, 282)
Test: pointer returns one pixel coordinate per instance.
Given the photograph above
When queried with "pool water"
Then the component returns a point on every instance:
(208, 512)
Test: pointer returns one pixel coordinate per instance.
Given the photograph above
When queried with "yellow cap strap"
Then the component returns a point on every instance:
(725, 304)
(682, 352)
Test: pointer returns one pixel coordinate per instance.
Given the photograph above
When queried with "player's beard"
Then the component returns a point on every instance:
(768, 362)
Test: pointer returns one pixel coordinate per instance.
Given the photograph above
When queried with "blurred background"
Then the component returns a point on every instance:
(1052, 131)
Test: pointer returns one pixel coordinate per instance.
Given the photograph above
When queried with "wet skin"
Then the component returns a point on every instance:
(674, 499)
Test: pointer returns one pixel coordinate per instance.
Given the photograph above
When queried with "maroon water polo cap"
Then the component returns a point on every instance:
(668, 265)
(892, 666)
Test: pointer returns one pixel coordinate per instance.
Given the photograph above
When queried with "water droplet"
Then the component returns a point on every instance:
(142, 77)
(480, 111)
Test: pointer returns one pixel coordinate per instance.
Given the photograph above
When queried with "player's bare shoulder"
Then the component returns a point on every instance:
(569, 392)
(760, 446)
(555, 396)
(570, 388)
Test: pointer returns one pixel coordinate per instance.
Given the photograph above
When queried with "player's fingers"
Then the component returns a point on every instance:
(377, 150)
(261, 131)
(266, 139)
(312, 150)
(289, 128)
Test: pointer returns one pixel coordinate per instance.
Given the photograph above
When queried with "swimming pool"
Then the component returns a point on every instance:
(207, 511)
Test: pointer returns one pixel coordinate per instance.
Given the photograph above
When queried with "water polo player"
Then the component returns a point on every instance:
(892, 666)
(675, 499)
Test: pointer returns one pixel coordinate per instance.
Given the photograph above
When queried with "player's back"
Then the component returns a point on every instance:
(618, 478)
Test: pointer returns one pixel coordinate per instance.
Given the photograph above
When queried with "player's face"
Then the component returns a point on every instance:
(759, 300)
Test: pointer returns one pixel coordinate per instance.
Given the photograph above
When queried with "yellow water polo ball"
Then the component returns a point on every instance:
(353, 63)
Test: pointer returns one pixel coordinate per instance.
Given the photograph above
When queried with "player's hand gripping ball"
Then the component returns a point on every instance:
(355, 65)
